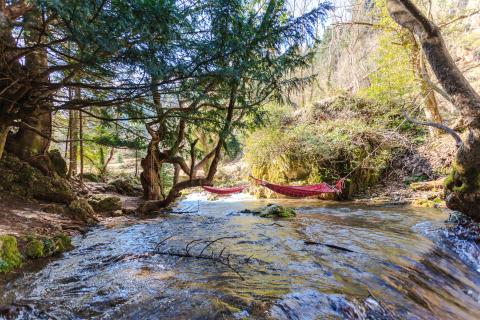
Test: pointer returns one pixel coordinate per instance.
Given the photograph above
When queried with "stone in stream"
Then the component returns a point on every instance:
(273, 211)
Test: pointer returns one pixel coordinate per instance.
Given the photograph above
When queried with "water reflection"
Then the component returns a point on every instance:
(400, 267)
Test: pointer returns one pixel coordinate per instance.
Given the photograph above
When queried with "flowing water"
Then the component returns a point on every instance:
(333, 261)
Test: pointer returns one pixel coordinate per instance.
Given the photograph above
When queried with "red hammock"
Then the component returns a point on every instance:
(303, 191)
(224, 191)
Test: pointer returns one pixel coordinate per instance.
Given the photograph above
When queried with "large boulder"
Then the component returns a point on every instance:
(20, 178)
(125, 186)
(83, 211)
(105, 203)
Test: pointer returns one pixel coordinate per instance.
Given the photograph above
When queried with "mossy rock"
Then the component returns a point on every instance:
(10, 257)
(62, 243)
(118, 213)
(53, 208)
(35, 248)
(21, 179)
(83, 211)
(105, 203)
(59, 165)
(42, 246)
(276, 211)
(125, 186)
(427, 203)
(92, 177)
(54, 190)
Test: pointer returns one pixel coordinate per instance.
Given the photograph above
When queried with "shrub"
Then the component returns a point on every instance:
(9, 255)
(323, 151)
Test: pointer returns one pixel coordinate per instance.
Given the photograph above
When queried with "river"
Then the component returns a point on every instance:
(333, 261)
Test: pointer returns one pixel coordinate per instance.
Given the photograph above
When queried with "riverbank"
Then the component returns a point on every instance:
(31, 229)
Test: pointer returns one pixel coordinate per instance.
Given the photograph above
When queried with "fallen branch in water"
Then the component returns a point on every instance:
(187, 252)
(272, 224)
(328, 245)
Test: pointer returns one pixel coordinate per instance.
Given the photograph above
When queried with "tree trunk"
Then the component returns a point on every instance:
(149, 177)
(105, 164)
(80, 120)
(463, 186)
(174, 192)
(72, 168)
(3, 137)
(32, 140)
(136, 163)
(432, 114)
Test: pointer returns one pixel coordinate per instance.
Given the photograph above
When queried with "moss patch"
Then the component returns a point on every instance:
(35, 249)
(461, 180)
(58, 163)
(426, 203)
(105, 203)
(10, 257)
(275, 211)
(42, 246)
(21, 179)
(83, 211)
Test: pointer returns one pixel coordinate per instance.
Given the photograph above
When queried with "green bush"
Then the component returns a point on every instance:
(316, 152)
(35, 249)
(9, 255)
(44, 246)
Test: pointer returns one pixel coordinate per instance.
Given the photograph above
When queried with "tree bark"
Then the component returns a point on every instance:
(432, 114)
(105, 164)
(72, 168)
(462, 190)
(80, 119)
(149, 177)
(3, 137)
(32, 140)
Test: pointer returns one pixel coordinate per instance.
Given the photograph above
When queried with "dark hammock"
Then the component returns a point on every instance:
(224, 191)
(303, 191)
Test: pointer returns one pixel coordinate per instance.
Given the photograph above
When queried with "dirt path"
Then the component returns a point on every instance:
(20, 217)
